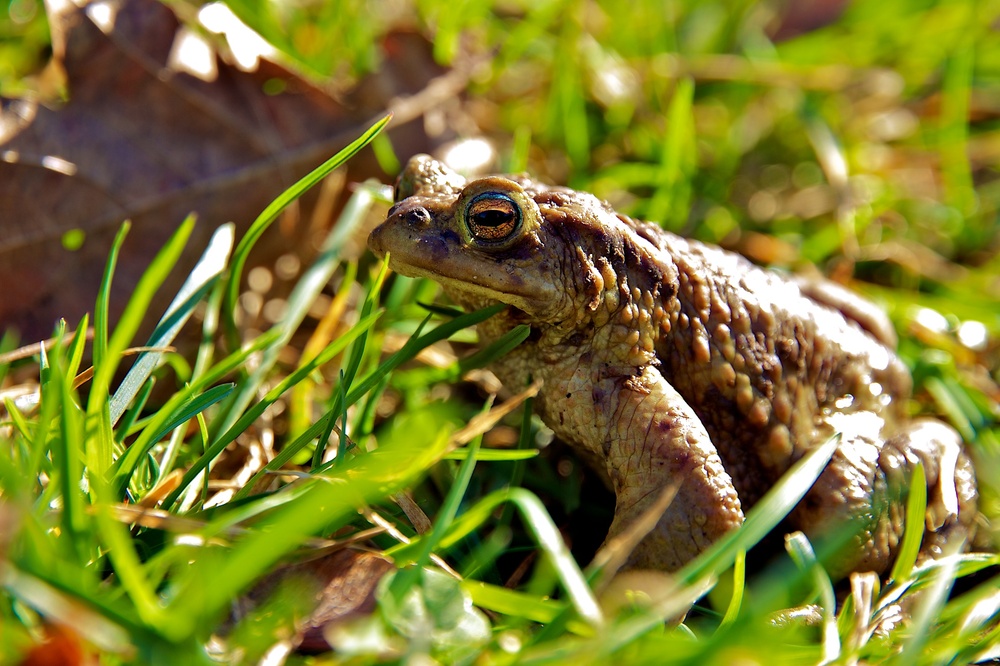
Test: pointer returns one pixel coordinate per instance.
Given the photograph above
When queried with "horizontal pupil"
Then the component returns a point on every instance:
(492, 218)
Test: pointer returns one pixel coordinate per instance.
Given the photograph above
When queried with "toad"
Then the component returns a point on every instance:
(665, 360)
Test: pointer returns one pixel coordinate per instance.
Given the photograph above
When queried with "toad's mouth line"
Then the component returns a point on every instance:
(518, 300)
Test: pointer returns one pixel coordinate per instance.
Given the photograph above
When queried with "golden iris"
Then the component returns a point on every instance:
(492, 217)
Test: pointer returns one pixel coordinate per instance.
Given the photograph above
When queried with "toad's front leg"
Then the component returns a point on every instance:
(652, 438)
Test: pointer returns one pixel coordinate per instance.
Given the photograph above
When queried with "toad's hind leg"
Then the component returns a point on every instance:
(655, 440)
(864, 490)
(951, 481)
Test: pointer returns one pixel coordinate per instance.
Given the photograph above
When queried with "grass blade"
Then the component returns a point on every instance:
(303, 295)
(199, 281)
(913, 534)
(134, 313)
(404, 579)
(324, 504)
(244, 422)
(101, 323)
(544, 532)
(270, 214)
(123, 467)
(764, 516)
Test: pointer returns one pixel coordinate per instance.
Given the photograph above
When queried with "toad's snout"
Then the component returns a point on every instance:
(405, 223)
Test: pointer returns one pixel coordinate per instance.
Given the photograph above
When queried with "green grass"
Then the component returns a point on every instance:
(866, 148)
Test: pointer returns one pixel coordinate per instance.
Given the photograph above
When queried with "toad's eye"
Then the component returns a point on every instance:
(492, 218)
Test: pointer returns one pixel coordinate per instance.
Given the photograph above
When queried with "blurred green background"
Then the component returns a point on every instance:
(857, 139)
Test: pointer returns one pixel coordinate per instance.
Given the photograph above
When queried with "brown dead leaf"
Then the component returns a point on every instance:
(60, 647)
(340, 585)
(138, 140)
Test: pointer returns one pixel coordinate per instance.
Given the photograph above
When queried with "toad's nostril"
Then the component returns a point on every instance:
(418, 215)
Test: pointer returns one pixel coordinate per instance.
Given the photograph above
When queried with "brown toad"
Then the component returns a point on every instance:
(664, 358)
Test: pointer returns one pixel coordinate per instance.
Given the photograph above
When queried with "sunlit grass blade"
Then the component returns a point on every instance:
(765, 515)
(567, 112)
(196, 405)
(195, 287)
(301, 398)
(449, 509)
(414, 345)
(123, 467)
(67, 448)
(954, 404)
(303, 295)
(669, 204)
(223, 440)
(269, 214)
(406, 353)
(134, 411)
(101, 317)
(482, 358)
(348, 372)
(954, 134)
(739, 589)
(75, 348)
(802, 554)
(916, 509)
(493, 455)
(324, 504)
(928, 605)
(544, 532)
(522, 605)
(100, 625)
(134, 313)
(18, 420)
(761, 519)
(126, 561)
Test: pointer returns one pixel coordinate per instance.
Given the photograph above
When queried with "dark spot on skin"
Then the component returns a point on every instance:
(673, 457)
(644, 267)
(569, 395)
(598, 396)
(438, 247)
(609, 245)
(631, 254)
